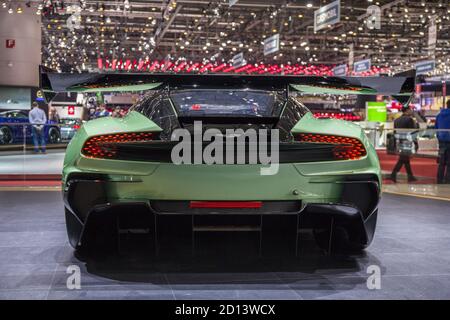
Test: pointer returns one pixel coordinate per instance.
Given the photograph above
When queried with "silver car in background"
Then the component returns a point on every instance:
(69, 127)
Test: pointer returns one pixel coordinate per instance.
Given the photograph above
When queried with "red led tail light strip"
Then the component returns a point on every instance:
(347, 148)
(104, 146)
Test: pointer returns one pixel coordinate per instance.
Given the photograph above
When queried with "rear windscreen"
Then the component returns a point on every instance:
(227, 102)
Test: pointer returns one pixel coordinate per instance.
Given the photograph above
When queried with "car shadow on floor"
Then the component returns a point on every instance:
(232, 264)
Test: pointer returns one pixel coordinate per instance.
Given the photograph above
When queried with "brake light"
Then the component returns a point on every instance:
(105, 146)
(346, 148)
(76, 127)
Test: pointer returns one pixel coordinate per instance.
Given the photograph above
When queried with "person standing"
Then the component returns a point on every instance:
(116, 113)
(443, 123)
(53, 115)
(406, 121)
(102, 112)
(38, 119)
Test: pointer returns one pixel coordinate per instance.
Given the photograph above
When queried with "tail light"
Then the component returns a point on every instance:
(76, 126)
(346, 148)
(105, 146)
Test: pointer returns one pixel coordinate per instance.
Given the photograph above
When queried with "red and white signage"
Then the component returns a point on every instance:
(71, 110)
(10, 43)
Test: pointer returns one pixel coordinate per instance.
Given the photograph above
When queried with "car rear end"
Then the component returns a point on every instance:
(327, 176)
(313, 184)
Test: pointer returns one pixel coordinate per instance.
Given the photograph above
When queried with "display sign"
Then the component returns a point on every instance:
(376, 111)
(71, 110)
(327, 15)
(340, 71)
(39, 95)
(362, 66)
(238, 60)
(425, 67)
(272, 44)
(10, 43)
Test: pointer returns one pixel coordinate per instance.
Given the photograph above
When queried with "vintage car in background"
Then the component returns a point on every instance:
(15, 128)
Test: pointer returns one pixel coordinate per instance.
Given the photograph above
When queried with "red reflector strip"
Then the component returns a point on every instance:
(226, 204)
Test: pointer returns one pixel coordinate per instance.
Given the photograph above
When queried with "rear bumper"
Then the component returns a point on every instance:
(353, 207)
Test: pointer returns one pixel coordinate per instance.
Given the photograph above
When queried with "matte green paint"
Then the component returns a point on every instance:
(314, 182)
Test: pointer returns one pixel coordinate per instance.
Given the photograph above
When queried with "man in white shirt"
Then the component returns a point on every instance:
(38, 119)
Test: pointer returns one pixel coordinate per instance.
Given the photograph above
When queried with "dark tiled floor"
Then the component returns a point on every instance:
(411, 247)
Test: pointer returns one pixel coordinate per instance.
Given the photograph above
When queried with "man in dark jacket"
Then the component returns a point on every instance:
(406, 121)
(443, 122)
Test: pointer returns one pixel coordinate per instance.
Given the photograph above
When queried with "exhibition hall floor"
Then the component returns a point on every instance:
(411, 248)
(29, 163)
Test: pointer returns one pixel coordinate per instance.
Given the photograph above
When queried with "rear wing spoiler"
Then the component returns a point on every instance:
(401, 87)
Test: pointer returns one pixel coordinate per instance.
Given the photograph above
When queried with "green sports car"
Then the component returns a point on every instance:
(227, 152)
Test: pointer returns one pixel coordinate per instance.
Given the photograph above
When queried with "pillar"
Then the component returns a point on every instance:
(20, 45)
